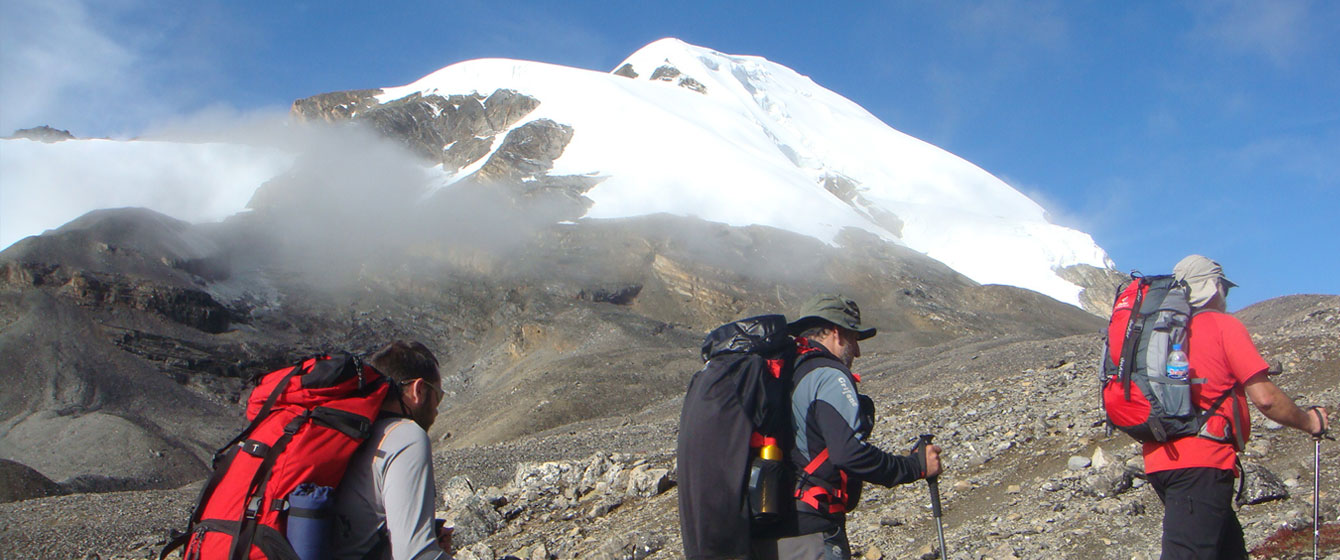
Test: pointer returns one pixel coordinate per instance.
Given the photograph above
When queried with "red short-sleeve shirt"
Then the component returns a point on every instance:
(1221, 352)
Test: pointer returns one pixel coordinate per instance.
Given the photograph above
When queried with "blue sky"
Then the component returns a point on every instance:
(1161, 128)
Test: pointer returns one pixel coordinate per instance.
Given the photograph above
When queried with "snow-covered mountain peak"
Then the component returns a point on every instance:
(686, 130)
(829, 136)
(712, 73)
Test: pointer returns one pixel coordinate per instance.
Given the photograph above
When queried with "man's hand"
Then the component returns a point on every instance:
(444, 538)
(1318, 423)
(928, 454)
(933, 466)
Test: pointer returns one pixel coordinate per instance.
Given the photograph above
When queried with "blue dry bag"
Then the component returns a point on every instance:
(309, 521)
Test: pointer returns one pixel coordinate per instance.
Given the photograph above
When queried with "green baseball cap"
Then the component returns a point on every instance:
(836, 309)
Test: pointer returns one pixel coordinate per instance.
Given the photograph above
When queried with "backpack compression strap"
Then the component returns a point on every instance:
(255, 496)
(1135, 326)
(833, 500)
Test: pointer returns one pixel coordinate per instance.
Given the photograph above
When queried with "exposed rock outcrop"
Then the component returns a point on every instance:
(848, 190)
(527, 153)
(43, 133)
(506, 107)
(539, 494)
(454, 130)
(626, 71)
(665, 73)
(691, 84)
(335, 106)
(1099, 286)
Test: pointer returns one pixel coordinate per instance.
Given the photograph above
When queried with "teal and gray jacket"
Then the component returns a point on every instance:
(831, 455)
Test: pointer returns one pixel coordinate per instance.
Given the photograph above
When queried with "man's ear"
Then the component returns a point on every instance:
(416, 388)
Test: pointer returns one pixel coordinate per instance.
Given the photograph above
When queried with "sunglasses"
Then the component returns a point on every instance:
(437, 390)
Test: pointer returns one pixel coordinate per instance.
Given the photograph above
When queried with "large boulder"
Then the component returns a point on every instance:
(1260, 485)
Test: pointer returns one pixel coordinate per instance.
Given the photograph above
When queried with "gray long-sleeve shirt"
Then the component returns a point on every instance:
(384, 506)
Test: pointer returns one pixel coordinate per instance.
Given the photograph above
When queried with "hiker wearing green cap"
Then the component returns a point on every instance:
(832, 423)
(1193, 475)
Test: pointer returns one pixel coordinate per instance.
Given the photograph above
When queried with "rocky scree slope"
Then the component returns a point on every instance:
(133, 334)
(1032, 472)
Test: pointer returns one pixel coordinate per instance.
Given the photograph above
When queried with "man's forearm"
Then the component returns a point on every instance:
(1275, 405)
(1287, 413)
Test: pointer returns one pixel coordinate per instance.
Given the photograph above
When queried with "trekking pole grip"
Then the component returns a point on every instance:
(923, 444)
(1321, 421)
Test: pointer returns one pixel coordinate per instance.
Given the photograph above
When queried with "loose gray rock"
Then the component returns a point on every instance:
(1107, 481)
(474, 520)
(633, 546)
(1078, 462)
(478, 551)
(646, 482)
(1261, 485)
(457, 491)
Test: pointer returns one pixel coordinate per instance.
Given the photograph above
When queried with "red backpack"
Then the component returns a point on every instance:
(306, 422)
(1151, 314)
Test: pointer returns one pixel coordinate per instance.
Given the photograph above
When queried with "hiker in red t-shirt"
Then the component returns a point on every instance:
(1194, 475)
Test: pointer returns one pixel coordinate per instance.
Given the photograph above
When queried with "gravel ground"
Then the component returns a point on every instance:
(1012, 415)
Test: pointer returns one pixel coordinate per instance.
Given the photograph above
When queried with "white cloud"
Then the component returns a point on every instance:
(58, 62)
(1023, 24)
(1279, 30)
(46, 185)
(1298, 161)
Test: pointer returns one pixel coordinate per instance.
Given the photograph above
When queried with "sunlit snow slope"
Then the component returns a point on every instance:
(676, 128)
(741, 140)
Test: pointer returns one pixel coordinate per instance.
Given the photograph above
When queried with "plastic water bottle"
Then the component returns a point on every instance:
(1177, 363)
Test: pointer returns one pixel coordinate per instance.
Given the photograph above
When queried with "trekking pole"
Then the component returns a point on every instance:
(1316, 484)
(1316, 498)
(924, 443)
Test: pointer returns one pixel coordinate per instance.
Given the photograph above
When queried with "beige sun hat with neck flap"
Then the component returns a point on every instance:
(1200, 273)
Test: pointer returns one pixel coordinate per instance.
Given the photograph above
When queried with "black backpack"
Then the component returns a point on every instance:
(734, 434)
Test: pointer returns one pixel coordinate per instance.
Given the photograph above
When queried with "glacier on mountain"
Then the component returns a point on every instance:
(741, 140)
(686, 130)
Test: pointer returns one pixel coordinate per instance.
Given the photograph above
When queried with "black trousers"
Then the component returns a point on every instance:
(1198, 518)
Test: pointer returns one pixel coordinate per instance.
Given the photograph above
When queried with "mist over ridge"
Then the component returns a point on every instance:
(676, 128)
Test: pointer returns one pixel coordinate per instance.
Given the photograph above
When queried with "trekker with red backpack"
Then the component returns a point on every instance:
(384, 506)
(832, 423)
(310, 425)
(1193, 471)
